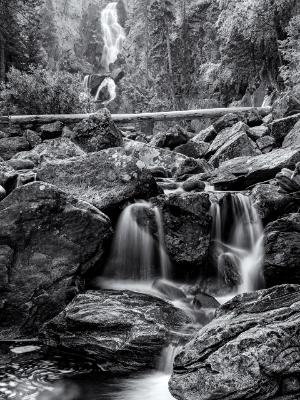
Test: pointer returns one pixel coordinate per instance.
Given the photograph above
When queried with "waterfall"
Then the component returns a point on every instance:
(113, 35)
(136, 255)
(238, 240)
(109, 85)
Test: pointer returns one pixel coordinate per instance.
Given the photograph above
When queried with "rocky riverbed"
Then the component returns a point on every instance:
(63, 188)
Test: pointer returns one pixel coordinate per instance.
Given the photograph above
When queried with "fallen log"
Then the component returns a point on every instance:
(130, 118)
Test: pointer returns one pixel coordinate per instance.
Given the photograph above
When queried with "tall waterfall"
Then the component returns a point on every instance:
(113, 35)
(136, 255)
(108, 85)
(238, 238)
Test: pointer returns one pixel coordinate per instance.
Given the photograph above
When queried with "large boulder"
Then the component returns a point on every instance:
(12, 145)
(281, 127)
(154, 156)
(249, 351)
(231, 143)
(292, 139)
(187, 227)
(282, 250)
(8, 175)
(241, 172)
(123, 331)
(48, 241)
(55, 149)
(98, 132)
(107, 178)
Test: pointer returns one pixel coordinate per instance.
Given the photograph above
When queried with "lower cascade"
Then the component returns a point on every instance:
(238, 241)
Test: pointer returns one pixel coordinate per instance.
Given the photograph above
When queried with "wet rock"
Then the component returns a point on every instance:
(231, 143)
(98, 132)
(270, 202)
(48, 241)
(281, 127)
(228, 270)
(266, 144)
(193, 149)
(154, 157)
(158, 172)
(241, 172)
(282, 250)
(20, 164)
(207, 135)
(51, 131)
(292, 139)
(32, 137)
(123, 331)
(12, 145)
(50, 150)
(168, 289)
(258, 132)
(193, 184)
(204, 300)
(187, 226)
(107, 178)
(245, 351)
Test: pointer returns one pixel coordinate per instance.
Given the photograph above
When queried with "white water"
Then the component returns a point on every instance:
(135, 252)
(113, 35)
(110, 85)
(245, 244)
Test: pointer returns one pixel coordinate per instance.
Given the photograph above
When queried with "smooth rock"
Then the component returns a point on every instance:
(204, 300)
(19, 164)
(123, 331)
(245, 352)
(282, 250)
(48, 241)
(193, 184)
(98, 132)
(50, 150)
(168, 289)
(12, 145)
(107, 178)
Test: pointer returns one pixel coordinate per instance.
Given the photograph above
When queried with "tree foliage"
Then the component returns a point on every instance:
(290, 49)
(42, 91)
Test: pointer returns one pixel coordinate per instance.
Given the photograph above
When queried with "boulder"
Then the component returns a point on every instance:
(191, 166)
(12, 145)
(270, 202)
(207, 135)
(258, 132)
(154, 157)
(2, 192)
(48, 241)
(248, 351)
(107, 178)
(241, 172)
(175, 136)
(194, 183)
(51, 131)
(122, 331)
(187, 226)
(193, 149)
(158, 140)
(19, 164)
(289, 181)
(8, 175)
(32, 137)
(50, 150)
(98, 132)
(288, 104)
(292, 139)
(265, 144)
(231, 143)
(282, 250)
(281, 127)
(227, 121)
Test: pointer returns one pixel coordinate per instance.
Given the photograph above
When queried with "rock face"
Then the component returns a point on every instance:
(123, 331)
(55, 149)
(248, 351)
(282, 250)
(153, 156)
(106, 178)
(187, 226)
(48, 240)
(98, 132)
(242, 172)
(12, 145)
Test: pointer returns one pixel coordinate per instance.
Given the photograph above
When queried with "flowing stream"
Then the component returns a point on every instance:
(138, 258)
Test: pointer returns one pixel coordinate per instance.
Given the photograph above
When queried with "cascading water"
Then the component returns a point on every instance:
(108, 85)
(238, 240)
(113, 35)
(135, 252)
